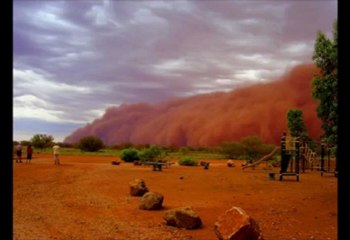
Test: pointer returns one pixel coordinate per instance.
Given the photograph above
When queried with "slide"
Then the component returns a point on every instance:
(264, 158)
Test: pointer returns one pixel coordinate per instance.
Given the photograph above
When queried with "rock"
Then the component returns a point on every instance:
(151, 201)
(230, 163)
(137, 163)
(204, 164)
(235, 224)
(182, 217)
(138, 187)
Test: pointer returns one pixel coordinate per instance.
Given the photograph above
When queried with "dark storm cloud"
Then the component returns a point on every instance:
(80, 57)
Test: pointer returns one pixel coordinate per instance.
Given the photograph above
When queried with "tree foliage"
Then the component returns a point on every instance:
(153, 153)
(129, 154)
(252, 147)
(325, 84)
(296, 124)
(90, 144)
(232, 150)
(42, 141)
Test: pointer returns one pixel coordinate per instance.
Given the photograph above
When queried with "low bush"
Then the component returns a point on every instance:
(187, 161)
(129, 155)
(90, 144)
(151, 154)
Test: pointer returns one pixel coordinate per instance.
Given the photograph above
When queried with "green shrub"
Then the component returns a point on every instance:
(252, 147)
(42, 141)
(151, 154)
(90, 144)
(187, 161)
(129, 155)
(275, 161)
(232, 150)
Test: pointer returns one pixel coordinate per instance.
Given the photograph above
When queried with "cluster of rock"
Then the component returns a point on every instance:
(234, 224)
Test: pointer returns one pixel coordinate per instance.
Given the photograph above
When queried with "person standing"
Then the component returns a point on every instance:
(285, 156)
(323, 153)
(56, 154)
(29, 153)
(19, 153)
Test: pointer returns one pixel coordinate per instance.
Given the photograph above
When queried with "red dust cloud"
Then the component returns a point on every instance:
(210, 119)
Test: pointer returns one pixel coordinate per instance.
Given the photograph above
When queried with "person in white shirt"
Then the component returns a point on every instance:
(56, 154)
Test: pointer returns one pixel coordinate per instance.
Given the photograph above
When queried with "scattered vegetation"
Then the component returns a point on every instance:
(250, 148)
(228, 150)
(151, 154)
(187, 161)
(90, 144)
(232, 150)
(42, 141)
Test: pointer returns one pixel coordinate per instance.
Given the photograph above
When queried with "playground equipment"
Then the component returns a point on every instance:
(328, 168)
(324, 161)
(263, 159)
(290, 156)
(308, 157)
(296, 154)
(157, 166)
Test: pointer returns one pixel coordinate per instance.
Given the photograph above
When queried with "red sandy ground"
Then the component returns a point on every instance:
(88, 198)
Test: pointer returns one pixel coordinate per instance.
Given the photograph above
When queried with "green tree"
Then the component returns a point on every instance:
(325, 83)
(42, 141)
(296, 125)
(153, 153)
(232, 150)
(129, 154)
(252, 146)
(25, 142)
(91, 144)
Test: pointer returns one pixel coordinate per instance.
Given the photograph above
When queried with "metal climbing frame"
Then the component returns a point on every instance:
(327, 165)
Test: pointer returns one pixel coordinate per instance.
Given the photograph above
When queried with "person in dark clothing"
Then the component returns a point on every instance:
(284, 155)
(29, 153)
(19, 153)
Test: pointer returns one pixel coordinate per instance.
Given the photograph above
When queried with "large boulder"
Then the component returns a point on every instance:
(138, 187)
(235, 224)
(151, 201)
(183, 217)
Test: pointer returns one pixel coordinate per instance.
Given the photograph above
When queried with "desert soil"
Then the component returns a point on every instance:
(88, 198)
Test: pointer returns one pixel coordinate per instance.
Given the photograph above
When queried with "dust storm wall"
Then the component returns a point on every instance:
(210, 119)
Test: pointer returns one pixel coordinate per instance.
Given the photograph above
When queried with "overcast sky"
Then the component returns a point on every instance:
(74, 59)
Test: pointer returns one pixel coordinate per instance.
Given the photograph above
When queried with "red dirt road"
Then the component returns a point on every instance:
(88, 198)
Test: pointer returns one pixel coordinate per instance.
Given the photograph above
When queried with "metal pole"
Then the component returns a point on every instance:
(297, 156)
(322, 157)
